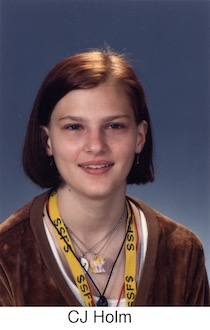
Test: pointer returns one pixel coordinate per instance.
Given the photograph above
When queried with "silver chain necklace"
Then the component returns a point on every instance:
(97, 264)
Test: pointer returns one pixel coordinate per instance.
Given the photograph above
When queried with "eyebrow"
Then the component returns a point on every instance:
(80, 119)
(74, 118)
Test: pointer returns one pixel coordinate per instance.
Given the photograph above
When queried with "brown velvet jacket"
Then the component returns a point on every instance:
(174, 272)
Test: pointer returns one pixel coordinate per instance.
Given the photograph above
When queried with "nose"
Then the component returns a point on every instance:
(95, 142)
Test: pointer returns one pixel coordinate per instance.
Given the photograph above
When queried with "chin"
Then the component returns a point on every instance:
(99, 195)
(104, 192)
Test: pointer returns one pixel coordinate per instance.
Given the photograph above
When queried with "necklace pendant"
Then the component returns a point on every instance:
(97, 265)
(84, 262)
(102, 301)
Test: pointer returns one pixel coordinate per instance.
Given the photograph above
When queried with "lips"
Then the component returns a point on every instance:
(96, 167)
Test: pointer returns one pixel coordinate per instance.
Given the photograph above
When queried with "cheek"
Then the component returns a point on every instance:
(63, 147)
(126, 151)
(64, 154)
(129, 145)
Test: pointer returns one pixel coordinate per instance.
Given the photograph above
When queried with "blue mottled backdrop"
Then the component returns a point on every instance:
(168, 43)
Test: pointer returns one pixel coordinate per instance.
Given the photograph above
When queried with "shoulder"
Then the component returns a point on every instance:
(15, 232)
(171, 233)
(16, 219)
(15, 227)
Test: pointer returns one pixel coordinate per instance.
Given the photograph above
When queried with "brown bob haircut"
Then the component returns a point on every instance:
(83, 71)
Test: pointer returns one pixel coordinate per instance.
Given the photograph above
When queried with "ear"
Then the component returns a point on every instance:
(46, 140)
(141, 136)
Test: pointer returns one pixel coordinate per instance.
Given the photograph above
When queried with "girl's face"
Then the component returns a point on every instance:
(93, 137)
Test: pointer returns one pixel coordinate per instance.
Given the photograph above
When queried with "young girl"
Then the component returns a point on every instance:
(83, 241)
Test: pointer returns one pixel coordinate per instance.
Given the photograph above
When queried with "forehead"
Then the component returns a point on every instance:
(106, 97)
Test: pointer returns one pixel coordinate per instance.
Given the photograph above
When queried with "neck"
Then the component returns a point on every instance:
(88, 215)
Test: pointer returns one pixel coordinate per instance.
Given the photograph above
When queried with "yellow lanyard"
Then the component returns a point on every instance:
(74, 263)
(130, 265)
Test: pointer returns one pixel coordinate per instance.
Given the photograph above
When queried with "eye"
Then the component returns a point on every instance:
(73, 127)
(116, 126)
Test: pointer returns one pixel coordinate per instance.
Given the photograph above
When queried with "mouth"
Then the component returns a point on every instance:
(96, 166)
(99, 167)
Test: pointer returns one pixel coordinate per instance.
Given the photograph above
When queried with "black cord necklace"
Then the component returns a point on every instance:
(102, 299)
